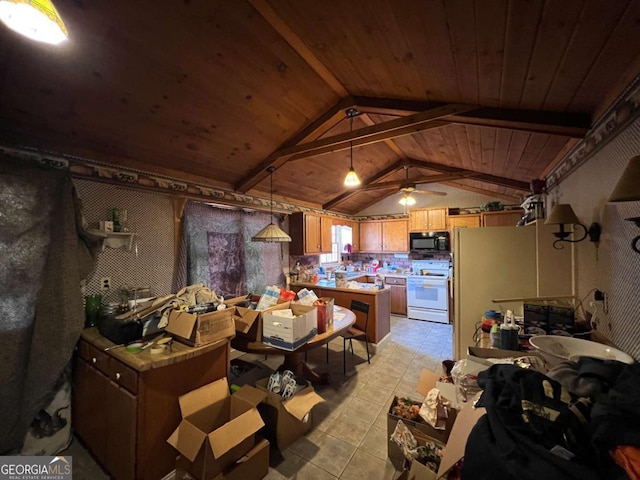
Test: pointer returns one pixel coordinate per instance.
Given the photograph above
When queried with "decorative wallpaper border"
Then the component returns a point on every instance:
(101, 172)
(622, 112)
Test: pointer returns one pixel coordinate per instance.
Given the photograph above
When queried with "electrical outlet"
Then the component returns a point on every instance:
(105, 283)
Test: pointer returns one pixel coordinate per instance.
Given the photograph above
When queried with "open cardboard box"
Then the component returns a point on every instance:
(249, 322)
(200, 329)
(254, 464)
(290, 333)
(288, 420)
(457, 431)
(217, 428)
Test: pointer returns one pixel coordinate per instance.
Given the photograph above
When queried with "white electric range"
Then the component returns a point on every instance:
(428, 291)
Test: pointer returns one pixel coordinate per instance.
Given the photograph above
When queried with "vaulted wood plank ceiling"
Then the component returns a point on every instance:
(483, 95)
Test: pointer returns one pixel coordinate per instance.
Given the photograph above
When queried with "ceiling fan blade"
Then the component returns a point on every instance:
(430, 192)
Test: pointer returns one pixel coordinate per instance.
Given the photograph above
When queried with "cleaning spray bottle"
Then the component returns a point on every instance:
(509, 332)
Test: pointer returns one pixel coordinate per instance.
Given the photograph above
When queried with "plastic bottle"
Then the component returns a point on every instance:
(494, 336)
(509, 333)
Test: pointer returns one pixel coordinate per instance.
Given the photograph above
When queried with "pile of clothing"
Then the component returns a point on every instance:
(580, 420)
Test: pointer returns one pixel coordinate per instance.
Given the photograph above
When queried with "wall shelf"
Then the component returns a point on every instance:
(115, 239)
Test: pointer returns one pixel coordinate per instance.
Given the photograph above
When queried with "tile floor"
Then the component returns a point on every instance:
(349, 437)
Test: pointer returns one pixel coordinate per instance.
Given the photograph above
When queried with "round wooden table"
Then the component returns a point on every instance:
(294, 360)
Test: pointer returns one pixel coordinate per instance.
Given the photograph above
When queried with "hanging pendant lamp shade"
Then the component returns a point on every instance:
(351, 180)
(407, 199)
(36, 19)
(271, 233)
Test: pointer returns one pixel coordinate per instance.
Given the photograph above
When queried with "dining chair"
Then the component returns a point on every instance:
(354, 333)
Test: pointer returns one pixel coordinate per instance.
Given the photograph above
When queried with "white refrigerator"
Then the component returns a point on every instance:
(500, 263)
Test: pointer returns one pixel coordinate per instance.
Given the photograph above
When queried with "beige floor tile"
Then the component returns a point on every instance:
(375, 442)
(333, 455)
(349, 427)
(374, 394)
(364, 466)
(365, 411)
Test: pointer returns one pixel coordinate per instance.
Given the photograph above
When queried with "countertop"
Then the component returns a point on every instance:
(144, 360)
(365, 288)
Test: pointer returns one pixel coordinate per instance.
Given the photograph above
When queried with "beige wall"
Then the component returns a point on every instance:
(455, 198)
(612, 267)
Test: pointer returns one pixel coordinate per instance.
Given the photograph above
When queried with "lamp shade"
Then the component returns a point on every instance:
(351, 180)
(562, 214)
(36, 19)
(628, 187)
(271, 233)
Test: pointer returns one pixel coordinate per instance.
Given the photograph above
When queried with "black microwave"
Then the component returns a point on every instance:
(429, 242)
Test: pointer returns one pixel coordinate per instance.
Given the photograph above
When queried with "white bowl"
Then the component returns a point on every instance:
(557, 349)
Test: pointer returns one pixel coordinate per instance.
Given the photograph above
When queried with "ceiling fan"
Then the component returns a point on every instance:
(408, 188)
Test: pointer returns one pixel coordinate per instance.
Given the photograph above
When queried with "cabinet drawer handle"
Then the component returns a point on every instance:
(118, 376)
(94, 360)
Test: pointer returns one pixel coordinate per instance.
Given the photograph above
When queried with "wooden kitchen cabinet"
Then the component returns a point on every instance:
(503, 218)
(384, 236)
(469, 221)
(310, 234)
(355, 236)
(125, 405)
(398, 294)
(428, 219)
(370, 236)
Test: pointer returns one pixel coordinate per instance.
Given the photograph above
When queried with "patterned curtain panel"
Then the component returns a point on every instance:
(217, 251)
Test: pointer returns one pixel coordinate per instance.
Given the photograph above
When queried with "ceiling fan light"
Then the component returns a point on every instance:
(407, 200)
(351, 180)
(35, 19)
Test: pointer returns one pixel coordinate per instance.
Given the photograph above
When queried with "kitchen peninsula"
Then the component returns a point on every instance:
(378, 300)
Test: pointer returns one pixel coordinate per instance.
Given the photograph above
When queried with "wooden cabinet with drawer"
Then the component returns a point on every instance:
(125, 405)
(398, 298)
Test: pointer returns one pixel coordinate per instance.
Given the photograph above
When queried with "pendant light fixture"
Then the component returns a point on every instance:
(407, 199)
(271, 233)
(36, 19)
(351, 180)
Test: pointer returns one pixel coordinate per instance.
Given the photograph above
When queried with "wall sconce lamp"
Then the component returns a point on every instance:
(628, 190)
(562, 214)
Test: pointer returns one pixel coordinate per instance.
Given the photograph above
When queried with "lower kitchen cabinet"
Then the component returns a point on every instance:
(125, 405)
(398, 294)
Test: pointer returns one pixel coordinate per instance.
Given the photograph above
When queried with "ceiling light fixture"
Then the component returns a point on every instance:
(407, 200)
(36, 19)
(271, 233)
(351, 180)
(628, 190)
(563, 214)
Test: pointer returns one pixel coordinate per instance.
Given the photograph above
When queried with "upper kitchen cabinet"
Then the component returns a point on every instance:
(355, 235)
(384, 236)
(428, 219)
(310, 234)
(503, 218)
(472, 220)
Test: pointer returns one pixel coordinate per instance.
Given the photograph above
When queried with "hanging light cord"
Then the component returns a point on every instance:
(351, 141)
(271, 170)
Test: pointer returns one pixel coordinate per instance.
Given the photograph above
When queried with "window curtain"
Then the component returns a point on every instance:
(217, 251)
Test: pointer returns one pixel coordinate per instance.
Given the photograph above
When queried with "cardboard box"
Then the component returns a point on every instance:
(200, 329)
(290, 333)
(288, 420)
(216, 428)
(249, 322)
(252, 466)
(456, 433)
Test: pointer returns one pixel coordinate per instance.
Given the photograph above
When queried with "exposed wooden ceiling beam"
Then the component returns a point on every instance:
(445, 177)
(279, 25)
(484, 177)
(481, 191)
(318, 127)
(378, 176)
(554, 123)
